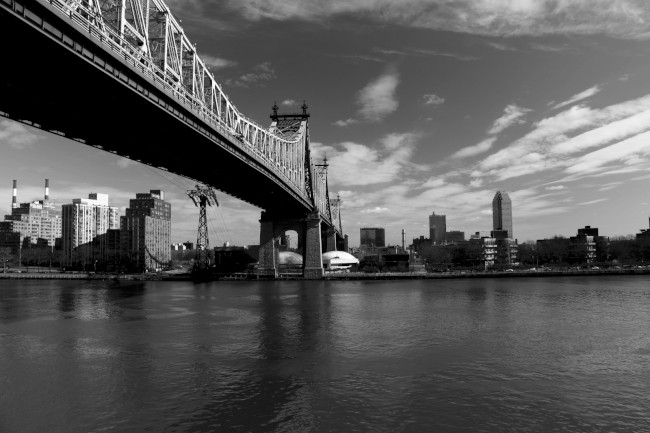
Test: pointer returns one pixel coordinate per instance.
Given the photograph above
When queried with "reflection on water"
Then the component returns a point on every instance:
(561, 354)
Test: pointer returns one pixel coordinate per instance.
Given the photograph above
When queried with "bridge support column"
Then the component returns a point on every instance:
(268, 255)
(330, 243)
(313, 253)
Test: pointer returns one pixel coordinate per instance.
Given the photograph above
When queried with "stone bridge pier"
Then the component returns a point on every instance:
(272, 227)
(333, 241)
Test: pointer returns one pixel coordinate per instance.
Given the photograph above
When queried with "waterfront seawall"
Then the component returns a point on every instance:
(329, 276)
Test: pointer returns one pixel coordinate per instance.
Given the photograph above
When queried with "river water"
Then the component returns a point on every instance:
(568, 354)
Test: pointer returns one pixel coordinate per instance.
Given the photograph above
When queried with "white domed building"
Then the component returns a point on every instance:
(332, 260)
(338, 261)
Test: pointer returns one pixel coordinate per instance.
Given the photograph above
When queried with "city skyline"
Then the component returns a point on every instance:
(548, 104)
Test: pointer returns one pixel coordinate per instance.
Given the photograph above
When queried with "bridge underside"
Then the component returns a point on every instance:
(313, 240)
(70, 86)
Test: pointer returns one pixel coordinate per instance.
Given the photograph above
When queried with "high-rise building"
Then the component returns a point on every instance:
(437, 228)
(502, 213)
(37, 222)
(373, 237)
(455, 236)
(146, 231)
(84, 221)
(12, 235)
(507, 248)
(601, 244)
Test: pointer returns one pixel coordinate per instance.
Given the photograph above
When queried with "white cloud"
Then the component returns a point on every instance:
(434, 182)
(217, 62)
(548, 48)
(618, 18)
(501, 47)
(446, 54)
(544, 147)
(431, 99)
(555, 188)
(376, 210)
(261, 73)
(354, 164)
(347, 122)
(289, 103)
(610, 186)
(608, 133)
(476, 149)
(630, 152)
(16, 135)
(476, 183)
(585, 203)
(377, 99)
(512, 115)
(578, 97)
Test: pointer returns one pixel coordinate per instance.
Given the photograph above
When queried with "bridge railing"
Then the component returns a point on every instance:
(181, 73)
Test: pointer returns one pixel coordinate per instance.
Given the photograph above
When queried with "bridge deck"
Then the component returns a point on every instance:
(61, 81)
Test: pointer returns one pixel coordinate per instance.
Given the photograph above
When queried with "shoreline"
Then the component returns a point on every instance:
(330, 276)
(487, 274)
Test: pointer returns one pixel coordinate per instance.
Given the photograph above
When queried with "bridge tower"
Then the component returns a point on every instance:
(307, 223)
(202, 197)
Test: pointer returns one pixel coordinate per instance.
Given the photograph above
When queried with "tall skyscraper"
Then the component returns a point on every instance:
(146, 231)
(502, 213)
(84, 220)
(373, 237)
(437, 228)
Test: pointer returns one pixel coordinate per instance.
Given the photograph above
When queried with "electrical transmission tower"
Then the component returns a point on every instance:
(202, 196)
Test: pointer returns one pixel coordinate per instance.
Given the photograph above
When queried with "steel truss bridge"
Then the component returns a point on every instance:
(121, 75)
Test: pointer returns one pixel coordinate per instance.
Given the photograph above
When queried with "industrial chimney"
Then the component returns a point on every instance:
(403, 238)
(14, 203)
(47, 189)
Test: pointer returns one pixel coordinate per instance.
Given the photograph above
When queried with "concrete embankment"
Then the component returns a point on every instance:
(330, 276)
(76, 276)
(481, 274)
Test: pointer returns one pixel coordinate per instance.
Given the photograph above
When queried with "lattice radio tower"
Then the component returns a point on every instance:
(202, 196)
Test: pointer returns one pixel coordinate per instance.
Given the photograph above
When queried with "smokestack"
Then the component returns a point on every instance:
(14, 203)
(47, 189)
(403, 237)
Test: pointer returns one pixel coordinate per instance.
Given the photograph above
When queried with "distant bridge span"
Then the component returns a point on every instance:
(122, 76)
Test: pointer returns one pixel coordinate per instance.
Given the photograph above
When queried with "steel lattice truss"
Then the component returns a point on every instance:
(320, 190)
(335, 209)
(146, 35)
(202, 197)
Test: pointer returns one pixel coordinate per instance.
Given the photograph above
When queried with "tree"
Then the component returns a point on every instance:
(624, 250)
(5, 256)
(437, 256)
(554, 251)
(527, 253)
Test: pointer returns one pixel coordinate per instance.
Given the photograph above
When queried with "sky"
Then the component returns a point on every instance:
(420, 106)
